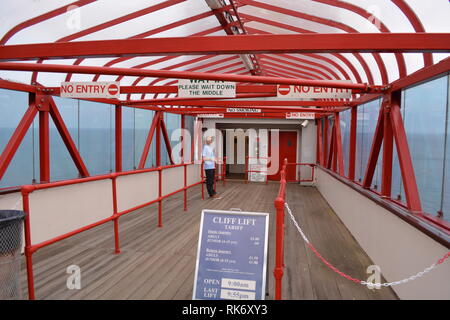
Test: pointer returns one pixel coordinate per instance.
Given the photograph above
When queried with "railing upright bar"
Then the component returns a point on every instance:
(279, 250)
(115, 213)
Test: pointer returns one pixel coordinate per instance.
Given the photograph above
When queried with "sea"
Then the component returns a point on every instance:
(97, 145)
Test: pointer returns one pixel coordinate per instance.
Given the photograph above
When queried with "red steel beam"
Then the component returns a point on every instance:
(319, 142)
(10, 85)
(316, 19)
(339, 152)
(166, 139)
(332, 147)
(67, 139)
(405, 160)
(370, 17)
(417, 25)
(374, 151)
(325, 142)
(41, 18)
(16, 138)
(148, 142)
(281, 43)
(388, 147)
(44, 136)
(352, 149)
(420, 75)
(181, 75)
(241, 103)
(118, 137)
(320, 57)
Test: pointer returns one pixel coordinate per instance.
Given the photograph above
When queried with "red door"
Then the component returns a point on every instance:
(287, 150)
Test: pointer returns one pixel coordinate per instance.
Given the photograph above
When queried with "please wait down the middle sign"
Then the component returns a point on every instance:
(189, 88)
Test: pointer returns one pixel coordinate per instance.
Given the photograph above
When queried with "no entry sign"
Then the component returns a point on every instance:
(301, 115)
(232, 256)
(90, 90)
(305, 92)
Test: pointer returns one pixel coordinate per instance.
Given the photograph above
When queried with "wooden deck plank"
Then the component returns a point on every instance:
(159, 263)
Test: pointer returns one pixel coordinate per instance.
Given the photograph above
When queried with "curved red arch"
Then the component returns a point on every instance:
(323, 21)
(417, 25)
(375, 21)
(42, 17)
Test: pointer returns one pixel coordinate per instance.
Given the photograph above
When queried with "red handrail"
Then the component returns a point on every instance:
(279, 207)
(279, 251)
(30, 248)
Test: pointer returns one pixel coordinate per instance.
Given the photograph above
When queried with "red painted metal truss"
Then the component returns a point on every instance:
(232, 21)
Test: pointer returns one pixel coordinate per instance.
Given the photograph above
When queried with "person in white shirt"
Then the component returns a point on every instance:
(209, 159)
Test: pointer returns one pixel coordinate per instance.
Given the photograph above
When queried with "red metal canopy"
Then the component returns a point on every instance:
(311, 40)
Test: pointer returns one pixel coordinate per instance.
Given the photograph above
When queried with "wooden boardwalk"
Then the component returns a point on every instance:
(158, 263)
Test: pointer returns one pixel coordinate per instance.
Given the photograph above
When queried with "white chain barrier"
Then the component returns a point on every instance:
(364, 283)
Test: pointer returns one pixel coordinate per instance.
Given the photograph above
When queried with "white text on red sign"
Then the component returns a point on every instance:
(90, 89)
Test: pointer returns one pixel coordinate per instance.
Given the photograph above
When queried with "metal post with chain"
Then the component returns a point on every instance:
(364, 283)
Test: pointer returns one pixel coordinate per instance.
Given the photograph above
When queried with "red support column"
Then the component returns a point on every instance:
(44, 136)
(118, 128)
(17, 137)
(331, 151)
(405, 160)
(325, 141)
(183, 136)
(334, 157)
(115, 211)
(154, 126)
(158, 164)
(352, 151)
(339, 152)
(166, 139)
(182, 155)
(375, 150)
(319, 144)
(279, 254)
(388, 146)
(67, 139)
(224, 171)
(28, 251)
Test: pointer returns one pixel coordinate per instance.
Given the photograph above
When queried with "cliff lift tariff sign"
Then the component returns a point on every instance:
(232, 256)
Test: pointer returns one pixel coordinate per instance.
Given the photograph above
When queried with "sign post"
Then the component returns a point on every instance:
(232, 256)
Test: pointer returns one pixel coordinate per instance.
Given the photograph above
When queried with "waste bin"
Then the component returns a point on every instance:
(10, 246)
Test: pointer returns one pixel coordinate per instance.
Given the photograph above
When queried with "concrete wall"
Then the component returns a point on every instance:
(400, 249)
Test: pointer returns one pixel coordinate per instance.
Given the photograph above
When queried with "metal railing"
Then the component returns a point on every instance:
(279, 207)
(26, 190)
